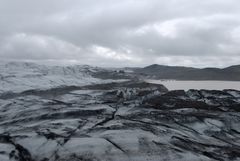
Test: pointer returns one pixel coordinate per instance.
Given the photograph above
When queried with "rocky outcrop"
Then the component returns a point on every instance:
(132, 120)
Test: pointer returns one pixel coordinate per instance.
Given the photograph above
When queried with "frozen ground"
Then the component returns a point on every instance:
(123, 121)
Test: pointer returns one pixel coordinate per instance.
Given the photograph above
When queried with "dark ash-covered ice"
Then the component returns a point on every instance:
(122, 121)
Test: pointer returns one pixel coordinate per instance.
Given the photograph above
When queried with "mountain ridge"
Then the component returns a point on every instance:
(231, 73)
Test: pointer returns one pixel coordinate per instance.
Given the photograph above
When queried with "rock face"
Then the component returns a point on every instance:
(133, 121)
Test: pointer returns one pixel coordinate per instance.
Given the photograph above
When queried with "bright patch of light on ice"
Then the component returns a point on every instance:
(186, 85)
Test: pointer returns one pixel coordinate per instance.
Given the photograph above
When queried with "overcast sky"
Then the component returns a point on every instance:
(121, 33)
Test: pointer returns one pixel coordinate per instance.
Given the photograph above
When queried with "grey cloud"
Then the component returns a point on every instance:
(127, 32)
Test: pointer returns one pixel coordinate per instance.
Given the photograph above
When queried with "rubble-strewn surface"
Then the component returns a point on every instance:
(133, 121)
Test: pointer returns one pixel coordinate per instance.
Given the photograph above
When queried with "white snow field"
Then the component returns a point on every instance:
(18, 76)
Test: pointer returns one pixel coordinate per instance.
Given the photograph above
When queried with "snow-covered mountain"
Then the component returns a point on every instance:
(19, 76)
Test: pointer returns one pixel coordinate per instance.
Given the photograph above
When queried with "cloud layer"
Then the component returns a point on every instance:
(122, 33)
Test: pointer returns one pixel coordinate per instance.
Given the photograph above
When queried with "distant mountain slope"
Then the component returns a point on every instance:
(187, 73)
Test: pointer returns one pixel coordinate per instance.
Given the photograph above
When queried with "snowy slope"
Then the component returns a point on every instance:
(18, 76)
